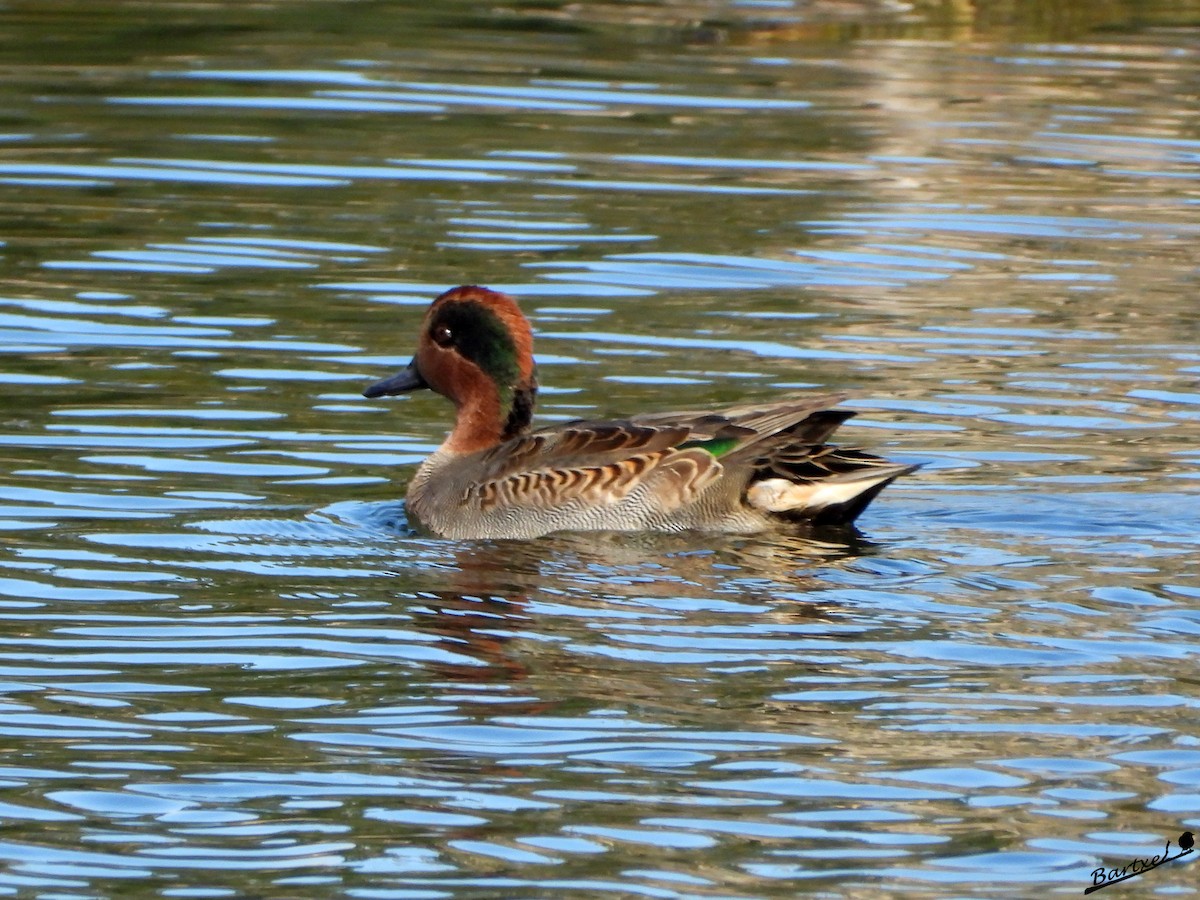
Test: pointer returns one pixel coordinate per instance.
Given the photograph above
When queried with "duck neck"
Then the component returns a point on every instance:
(489, 416)
(520, 410)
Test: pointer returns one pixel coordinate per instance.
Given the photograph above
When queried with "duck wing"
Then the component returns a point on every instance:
(594, 463)
(675, 455)
(785, 468)
(763, 419)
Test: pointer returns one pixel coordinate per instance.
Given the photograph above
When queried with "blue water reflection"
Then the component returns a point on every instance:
(229, 668)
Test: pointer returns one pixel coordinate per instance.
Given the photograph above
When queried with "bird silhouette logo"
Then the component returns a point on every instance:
(1103, 877)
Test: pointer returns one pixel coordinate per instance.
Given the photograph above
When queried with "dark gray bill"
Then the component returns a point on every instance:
(401, 383)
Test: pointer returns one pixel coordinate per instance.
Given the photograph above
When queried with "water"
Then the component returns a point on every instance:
(229, 671)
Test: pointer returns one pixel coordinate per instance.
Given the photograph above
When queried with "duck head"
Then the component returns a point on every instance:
(475, 348)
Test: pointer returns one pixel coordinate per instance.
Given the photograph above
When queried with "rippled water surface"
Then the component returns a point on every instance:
(229, 670)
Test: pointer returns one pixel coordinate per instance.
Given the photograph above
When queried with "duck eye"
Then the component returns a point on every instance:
(442, 336)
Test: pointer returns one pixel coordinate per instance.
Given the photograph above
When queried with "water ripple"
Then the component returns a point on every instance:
(229, 666)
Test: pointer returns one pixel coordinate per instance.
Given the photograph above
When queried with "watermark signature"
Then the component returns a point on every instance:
(1102, 877)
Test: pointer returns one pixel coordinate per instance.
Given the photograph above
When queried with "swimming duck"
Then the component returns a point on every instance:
(737, 470)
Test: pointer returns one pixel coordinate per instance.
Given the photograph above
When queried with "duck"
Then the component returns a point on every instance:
(739, 470)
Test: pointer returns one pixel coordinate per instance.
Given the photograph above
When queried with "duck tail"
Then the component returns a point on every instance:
(835, 497)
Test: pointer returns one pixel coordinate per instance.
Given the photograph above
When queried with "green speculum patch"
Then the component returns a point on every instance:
(717, 447)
